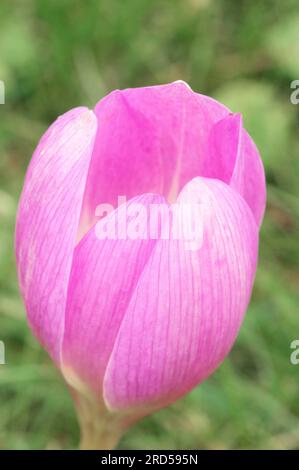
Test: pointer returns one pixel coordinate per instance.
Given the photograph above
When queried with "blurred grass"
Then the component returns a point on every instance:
(57, 54)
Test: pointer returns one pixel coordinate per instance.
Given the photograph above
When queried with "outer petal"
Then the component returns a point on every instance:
(47, 221)
(104, 274)
(187, 307)
(234, 159)
(151, 139)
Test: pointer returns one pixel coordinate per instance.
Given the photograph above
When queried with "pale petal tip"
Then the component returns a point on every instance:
(87, 117)
(182, 82)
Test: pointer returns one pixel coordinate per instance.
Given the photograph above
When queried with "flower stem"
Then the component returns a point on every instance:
(98, 435)
(101, 429)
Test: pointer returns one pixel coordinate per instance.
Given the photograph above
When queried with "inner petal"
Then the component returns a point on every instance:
(149, 140)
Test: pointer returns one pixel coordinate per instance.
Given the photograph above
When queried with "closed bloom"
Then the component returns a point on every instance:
(135, 322)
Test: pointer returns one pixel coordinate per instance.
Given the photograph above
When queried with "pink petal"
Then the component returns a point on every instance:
(234, 159)
(156, 139)
(104, 275)
(249, 178)
(47, 221)
(187, 306)
(149, 140)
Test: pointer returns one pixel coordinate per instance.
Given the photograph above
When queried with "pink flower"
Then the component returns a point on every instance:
(139, 322)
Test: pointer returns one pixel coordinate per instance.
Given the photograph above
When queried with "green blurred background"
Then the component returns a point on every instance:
(57, 54)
